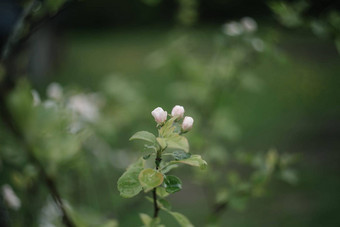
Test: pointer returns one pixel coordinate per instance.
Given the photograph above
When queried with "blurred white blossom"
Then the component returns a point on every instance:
(36, 97)
(249, 24)
(50, 104)
(232, 28)
(10, 197)
(85, 105)
(55, 91)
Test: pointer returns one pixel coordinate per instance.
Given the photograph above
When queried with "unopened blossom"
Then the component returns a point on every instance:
(177, 111)
(10, 197)
(249, 24)
(159, 114)
(187, 123)
(54, 91)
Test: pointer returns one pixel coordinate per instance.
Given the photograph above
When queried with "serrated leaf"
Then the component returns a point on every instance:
(181, 219)
(172, 184)
(128, 184)
(180, 155)
(177, 142)
(194, 160)
(144, 135)
(150, 178)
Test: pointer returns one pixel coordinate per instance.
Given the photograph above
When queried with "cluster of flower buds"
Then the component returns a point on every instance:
(161, 115)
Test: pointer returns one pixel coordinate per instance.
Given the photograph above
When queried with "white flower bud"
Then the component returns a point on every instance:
(187, 123)
(177, 111)
(159, 114)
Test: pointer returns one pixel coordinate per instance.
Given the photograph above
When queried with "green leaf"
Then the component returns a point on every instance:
(177, 142)
(194, 160)
(161, 142)
(144, 135)
(167, 168)
(168, 128)
(272, 158)
(162, 203)
(150, 178)
(172, 184)
(110, 223)
(181, 219)
(150, 222)
(161, 192)
(146, 219)
(128, 184)
(180, 155)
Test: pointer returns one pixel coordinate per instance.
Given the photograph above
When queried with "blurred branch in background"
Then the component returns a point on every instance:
(10, 50)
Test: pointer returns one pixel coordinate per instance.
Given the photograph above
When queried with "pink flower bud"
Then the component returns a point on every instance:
(159, 114)
(187, 123)
(177, 111)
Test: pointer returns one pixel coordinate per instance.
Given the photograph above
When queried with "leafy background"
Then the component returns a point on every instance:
(122, 59)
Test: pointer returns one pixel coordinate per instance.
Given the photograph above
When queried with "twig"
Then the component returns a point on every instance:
(13, 37)
(154, 193)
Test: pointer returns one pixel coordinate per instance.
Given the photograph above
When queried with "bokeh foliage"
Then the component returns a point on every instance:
(242, 90)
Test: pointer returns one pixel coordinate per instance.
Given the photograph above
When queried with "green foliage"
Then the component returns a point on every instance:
(169, 143)
(150, 222)
(180, 155)
(150, 178)
(172, 184)
(128, 183)
(194, 160)
(181, 219)
(175, 142)
(144, 135)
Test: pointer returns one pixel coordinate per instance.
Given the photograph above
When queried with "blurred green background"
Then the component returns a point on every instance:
(271, 87)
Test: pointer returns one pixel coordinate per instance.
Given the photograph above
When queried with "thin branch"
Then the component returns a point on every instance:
(13, 44)
(154, 192)
(13, 37)
(155, 205)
